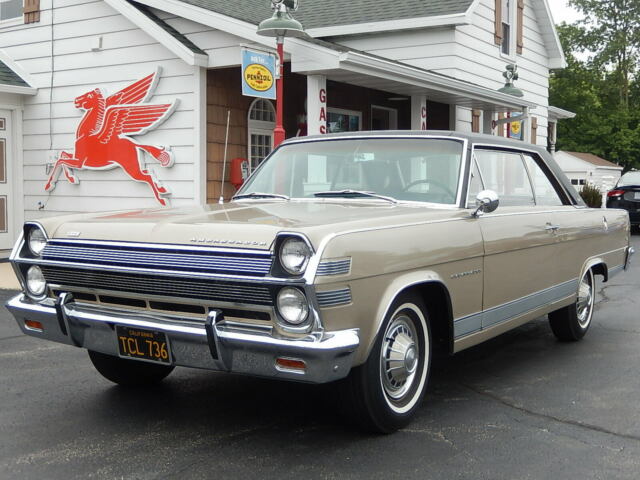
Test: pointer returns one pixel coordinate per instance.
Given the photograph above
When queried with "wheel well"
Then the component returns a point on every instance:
(438, 302)
(601, 269)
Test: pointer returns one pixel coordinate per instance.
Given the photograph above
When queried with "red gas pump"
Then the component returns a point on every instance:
(239, 172)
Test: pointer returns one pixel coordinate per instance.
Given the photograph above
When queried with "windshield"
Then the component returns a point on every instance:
(629, 178)
(424, 170)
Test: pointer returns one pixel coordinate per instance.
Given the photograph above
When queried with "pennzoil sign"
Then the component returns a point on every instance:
(258, 77)
(258, 74)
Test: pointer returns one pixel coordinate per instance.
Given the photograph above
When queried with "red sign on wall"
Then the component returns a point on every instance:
(102, 138)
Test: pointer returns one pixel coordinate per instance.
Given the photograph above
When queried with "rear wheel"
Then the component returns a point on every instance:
(129, 373)
(570, 323)
(383, 394)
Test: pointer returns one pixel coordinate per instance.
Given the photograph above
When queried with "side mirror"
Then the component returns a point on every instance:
(486, 202)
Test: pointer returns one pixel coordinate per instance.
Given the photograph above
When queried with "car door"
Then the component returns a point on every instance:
(579, 232)
(519, 240)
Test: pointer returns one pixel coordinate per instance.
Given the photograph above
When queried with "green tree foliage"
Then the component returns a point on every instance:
(601, 81)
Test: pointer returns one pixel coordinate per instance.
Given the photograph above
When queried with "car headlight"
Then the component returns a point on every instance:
(36, 284)
(294, 255)
(293, 305)
(36, 240)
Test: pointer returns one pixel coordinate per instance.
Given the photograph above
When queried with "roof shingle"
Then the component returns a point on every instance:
(328, 13)
(9, 77)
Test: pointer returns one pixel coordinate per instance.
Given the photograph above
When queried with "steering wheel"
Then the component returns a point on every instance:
(435, 183)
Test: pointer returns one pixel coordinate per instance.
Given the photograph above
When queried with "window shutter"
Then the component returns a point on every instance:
(498, 22)
(31, 11)
(520, 32)
(534, 130)
(475, 121)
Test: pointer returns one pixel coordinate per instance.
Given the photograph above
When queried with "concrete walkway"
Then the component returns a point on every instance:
(8, 280)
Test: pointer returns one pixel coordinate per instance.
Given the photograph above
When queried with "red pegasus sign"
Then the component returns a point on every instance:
(102, 137)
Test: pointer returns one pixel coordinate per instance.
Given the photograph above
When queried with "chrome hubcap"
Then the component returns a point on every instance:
(584, 304)
(399, 358)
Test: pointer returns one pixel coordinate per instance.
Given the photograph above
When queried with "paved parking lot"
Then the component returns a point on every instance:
(522, 406)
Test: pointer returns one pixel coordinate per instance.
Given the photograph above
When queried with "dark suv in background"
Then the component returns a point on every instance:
(626, 195)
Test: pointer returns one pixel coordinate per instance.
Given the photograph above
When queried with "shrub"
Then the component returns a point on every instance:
(591, 195)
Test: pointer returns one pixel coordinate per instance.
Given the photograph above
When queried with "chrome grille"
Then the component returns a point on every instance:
(208, 290)
(333, 298)
(334, 267)
(160, 257)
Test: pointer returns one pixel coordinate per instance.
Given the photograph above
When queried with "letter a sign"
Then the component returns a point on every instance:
(258, 74)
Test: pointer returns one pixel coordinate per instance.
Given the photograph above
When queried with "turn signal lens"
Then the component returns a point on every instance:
(615, 193)
(290, 364)
(36, 284)
(33, 325)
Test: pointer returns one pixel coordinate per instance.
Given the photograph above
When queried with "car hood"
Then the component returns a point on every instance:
(242, 224)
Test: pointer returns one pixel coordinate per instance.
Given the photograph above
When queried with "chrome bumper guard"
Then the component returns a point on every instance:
(215, 346)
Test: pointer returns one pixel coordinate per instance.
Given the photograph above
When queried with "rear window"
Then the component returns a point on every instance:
(629, 178)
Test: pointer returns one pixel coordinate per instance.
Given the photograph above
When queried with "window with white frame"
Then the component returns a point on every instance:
(507, 18)
(10, 9)
(261, 121)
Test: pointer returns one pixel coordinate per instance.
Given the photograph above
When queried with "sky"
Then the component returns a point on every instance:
(563, 13)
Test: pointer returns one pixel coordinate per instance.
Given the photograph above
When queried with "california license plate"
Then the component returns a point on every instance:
(143, 344)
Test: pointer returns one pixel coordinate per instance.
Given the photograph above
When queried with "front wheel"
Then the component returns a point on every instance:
(571, 323)
(384, 393)
(129, 373)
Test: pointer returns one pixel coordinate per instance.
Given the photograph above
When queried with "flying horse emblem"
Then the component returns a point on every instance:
(102, 137)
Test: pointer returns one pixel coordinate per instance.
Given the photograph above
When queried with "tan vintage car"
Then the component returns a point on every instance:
(344, 257)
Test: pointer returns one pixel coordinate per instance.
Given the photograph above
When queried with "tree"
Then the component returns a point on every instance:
(605, 95)
(611, 30)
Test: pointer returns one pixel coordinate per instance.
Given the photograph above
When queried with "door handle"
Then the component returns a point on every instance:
(552, 228)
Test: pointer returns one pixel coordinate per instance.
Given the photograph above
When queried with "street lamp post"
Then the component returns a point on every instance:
(280, 25)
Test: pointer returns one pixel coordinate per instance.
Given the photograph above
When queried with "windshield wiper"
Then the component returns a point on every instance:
(353, 193)
(259, 195)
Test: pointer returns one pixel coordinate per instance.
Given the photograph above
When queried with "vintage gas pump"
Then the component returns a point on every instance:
(239, 172)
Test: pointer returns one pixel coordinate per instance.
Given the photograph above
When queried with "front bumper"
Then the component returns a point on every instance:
(213, 345)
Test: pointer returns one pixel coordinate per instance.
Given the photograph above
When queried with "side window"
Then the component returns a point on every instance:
(505, 173)
(546, 194)
(475, 185)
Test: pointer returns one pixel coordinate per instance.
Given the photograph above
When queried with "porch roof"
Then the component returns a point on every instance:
(12, 82)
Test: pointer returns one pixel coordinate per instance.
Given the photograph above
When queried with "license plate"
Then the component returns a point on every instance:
(143, 344)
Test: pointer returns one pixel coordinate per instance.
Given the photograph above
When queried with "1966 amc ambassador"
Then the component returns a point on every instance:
(344, 257)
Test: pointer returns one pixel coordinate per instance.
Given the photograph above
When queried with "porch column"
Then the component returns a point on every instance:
(418, 112)
(316, 104)
(553, 137)
(487, 122)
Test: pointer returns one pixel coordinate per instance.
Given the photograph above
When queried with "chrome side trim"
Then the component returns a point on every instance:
(502, 313)
(334, 267)
(332, 298)
(615, 270)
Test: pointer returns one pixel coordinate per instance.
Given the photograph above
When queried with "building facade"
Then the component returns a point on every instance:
(115, 104)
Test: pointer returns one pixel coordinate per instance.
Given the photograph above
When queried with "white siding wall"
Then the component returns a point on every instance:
(468, 53)
(127, 55)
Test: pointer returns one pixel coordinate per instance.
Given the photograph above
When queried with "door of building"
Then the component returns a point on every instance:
(383, 118)
(7, 234)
